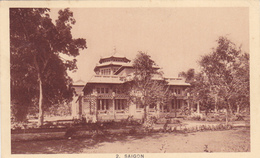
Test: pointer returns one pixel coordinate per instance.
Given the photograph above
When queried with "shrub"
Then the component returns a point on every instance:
(196, 116)
(133, 131)
(17, 125)
(148, 124)
(175, 121)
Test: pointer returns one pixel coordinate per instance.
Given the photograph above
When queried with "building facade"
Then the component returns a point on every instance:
(104, 98)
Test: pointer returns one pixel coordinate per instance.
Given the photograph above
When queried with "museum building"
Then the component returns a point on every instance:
(103, 97)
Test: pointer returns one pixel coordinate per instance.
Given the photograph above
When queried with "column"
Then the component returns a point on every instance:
(113, 104)
(198, 107)
(158, 109)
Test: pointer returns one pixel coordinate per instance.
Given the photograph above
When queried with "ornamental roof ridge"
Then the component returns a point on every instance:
(116, 55)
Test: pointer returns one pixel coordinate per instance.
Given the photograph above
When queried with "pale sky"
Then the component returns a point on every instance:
(174, 37)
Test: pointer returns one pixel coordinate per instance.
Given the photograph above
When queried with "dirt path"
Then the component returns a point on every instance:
(237, 140)
(218, 141)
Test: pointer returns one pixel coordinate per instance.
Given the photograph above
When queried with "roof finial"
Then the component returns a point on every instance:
(114, 50)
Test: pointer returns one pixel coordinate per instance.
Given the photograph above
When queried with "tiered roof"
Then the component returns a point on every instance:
(123, 62)
(115, 59)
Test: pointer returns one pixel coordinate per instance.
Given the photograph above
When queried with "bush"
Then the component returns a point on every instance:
(196, 116)
(209, 128)
(18, 125)
(221, 117)
(161, 121)
(174, 121)
(148, 124)
(133, 131)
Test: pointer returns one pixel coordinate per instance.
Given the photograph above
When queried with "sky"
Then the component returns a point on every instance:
(175, 38)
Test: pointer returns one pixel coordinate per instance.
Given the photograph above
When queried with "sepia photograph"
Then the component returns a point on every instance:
(129, 80)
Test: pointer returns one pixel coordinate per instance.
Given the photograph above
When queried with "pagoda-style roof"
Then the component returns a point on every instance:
(130, 65)
(112, 63)
(114, 58)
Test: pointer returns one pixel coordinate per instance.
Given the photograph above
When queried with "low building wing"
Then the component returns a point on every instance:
(177, 81)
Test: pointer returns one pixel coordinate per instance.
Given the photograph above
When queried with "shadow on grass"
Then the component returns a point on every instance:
(75, 145)
(78, 143)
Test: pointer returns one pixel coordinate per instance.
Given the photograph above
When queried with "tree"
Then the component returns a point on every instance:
(146, 87)
(199, 90)
(227, 71)
(189, 75)
(38, 72)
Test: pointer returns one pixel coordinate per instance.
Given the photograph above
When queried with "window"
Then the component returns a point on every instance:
(153, 105)
(105, 72)
(177, 102)
(139, 106)
(102, 104)
(173, 103)
(102, 90)
(117, 90)
(120, 104)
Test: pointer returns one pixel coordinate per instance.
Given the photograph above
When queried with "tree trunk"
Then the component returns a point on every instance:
(216, 106)
(226, 116)
(158, 109)
(41, 112)
(228, 111)
(198, 107)
(145, 113)
(238, 108)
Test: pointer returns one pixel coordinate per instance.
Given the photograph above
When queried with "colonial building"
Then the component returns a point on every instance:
(103, 98)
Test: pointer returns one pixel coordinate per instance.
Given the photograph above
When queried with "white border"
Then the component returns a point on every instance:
(253, 6)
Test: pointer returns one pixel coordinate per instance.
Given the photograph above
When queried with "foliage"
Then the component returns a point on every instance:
(196, 116)
(59, 110)
(147, 86)
(38, 72)
(189, 75)
(227, 73)
(199, 90)
(18, 125)
(224, 79)
(149, 123)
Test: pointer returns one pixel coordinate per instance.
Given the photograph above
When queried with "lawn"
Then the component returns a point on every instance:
(235, 140)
